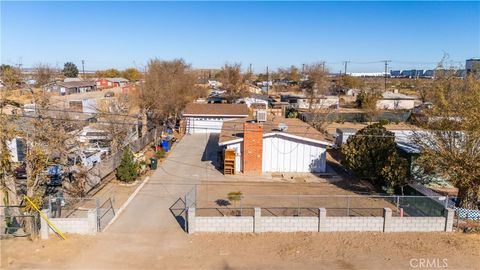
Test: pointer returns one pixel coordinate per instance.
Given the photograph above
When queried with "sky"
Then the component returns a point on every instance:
(210, 34)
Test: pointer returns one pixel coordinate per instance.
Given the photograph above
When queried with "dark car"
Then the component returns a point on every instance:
(109, 94)
(21, 171)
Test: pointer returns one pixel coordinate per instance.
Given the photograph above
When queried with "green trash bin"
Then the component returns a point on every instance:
(153, 163)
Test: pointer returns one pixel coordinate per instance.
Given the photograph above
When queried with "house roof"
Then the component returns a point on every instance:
(76, 84)
(215, 109)
(232, 131)
(397, 96)
(117, 80)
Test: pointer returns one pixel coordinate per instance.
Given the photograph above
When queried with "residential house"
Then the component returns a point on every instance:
(111, 82)
(255, 100)
(67, 88)
(301, 102)
(208, 118)
(396, 101)
(276, 145)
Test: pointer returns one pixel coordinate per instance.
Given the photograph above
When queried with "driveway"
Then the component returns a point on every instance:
(147, 227)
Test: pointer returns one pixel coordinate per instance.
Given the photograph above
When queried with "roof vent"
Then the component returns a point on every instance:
(282, 127)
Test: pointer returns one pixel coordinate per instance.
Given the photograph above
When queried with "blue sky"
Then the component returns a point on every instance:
(209, 34)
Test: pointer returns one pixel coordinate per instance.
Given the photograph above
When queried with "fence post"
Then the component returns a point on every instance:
(398, 202)
(97, 205)
(257, 219)
(449, 214)
(44, 226)
(322, 219)
(348, 206)
(387, 220)
(190, 228)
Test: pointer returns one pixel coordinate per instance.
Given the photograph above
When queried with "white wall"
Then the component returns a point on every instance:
(282, 154)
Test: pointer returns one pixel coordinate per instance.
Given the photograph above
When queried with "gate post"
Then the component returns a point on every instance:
(190, 220)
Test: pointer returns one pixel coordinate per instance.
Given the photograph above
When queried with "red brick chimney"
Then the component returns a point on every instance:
(252, 148)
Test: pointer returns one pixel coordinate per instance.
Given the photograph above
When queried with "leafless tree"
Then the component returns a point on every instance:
(43, 74)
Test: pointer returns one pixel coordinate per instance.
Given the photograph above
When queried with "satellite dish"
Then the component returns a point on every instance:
(282, 127)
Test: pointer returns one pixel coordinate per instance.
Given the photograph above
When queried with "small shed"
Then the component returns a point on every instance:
(342, 135)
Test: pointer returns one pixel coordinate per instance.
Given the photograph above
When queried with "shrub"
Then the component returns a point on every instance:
(160, 154)
(128, 169)
(384, 122)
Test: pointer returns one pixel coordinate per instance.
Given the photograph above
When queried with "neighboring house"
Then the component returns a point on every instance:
(208, 118)
(396, 101)
(343, 134)
(254, 99)
(111, 82)
(277, 145)
(303, 103)
(67, 88)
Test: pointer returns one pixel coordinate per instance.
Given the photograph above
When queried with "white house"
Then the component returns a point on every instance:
(303, 103)
(253, 99)
(277, 145)
(396, 101)
(208, 118)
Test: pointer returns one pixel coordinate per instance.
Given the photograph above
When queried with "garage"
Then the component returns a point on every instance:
(209, 118)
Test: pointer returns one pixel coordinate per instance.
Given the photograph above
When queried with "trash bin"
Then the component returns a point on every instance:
(165, 145)
(153, 163)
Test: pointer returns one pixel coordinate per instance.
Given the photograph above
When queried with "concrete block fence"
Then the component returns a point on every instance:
(86, 225)
(321, 223)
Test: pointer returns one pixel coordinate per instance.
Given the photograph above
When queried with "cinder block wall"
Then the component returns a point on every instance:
(87, 225)
(252, 148)
(321, 223)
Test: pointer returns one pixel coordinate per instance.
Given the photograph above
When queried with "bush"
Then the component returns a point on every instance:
(128, 169)
(384, 122)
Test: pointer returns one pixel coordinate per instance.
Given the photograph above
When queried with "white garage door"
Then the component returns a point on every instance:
(204, 125)
(289, 155)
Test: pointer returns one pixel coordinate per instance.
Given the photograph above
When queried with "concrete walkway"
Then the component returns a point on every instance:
(147, 227)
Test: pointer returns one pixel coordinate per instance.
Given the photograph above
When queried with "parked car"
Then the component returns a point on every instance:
(109, 94)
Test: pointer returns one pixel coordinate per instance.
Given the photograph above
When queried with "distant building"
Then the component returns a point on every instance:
(472, 66)
(300, 102)
(111, 82)
(67, 88)
(396, 101)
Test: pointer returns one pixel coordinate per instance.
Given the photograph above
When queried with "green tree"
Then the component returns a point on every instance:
(70, 70)
(128, 169)
(395, 173)
(372, 155)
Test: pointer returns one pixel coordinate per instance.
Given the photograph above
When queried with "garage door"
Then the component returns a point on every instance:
(204, 125)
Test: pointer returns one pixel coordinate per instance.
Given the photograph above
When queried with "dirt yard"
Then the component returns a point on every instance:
(274, 195)
(259, 251)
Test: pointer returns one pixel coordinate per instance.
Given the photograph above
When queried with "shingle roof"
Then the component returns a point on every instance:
(216, 109)
(232, 130)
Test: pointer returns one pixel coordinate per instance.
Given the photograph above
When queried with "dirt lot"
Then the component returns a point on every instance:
(275, 195)
(259, 251)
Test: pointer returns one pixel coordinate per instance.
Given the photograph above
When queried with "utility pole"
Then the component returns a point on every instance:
(385, 75)
(323, 66)
(267, 80)
(345, 63)
(83, 70)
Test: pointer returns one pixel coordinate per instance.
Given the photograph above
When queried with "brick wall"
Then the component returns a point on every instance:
(252, 148)
(321, 223)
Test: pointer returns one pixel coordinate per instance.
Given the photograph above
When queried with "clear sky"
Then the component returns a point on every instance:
(209, 34)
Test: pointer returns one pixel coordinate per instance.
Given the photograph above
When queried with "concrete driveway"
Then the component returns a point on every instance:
(147, 227)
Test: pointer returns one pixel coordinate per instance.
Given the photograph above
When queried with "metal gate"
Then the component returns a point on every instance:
(105, 212)
(179, 208)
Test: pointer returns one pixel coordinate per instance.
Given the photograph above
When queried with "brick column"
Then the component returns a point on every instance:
(191, 219)
(387, 220)
(257, 220)
(252, 148)
(44, 228)
(322, 219)
(92, 221)
(449, 215)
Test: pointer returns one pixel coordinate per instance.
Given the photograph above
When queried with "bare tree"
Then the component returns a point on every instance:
(316, 88)
(233, 81)
(168, 87)
(43, 74)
